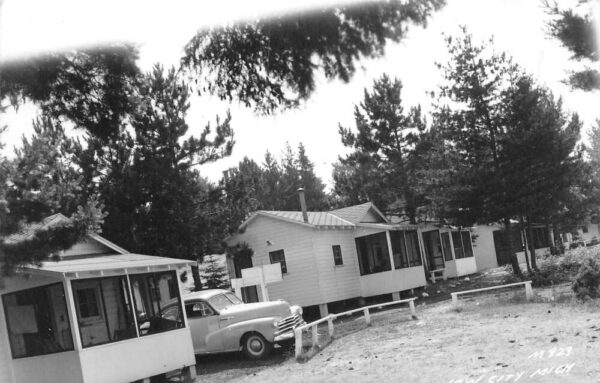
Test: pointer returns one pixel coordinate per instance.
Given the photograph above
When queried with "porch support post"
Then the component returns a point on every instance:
(315, 336)
(528, 291)
(189, 374)
(330, 326)
(298, 343)
(396, 296)
(323, 310)
(388, 239)
(71, 310)
(413, 312)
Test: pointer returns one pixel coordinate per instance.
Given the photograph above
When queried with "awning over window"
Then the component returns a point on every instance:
(113, 264)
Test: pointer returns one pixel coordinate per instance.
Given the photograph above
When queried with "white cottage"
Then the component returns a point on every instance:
(96, 315)
(347, 253)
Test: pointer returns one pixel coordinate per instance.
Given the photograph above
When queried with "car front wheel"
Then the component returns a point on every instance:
(255, 346)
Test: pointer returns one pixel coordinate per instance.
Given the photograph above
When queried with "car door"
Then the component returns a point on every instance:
(204, 322)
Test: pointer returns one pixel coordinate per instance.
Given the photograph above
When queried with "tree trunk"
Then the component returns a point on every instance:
(196, 276)
(557, 239)
(531, 244)
(511, 248)
(524, 237)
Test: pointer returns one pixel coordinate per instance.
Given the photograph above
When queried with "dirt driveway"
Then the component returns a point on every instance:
(492, 339)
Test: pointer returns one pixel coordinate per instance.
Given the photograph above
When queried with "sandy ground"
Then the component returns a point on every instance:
(490, 339)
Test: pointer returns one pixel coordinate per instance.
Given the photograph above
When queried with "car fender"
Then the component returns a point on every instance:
(232, 334)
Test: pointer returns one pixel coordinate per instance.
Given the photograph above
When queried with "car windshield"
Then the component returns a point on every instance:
(222, 301)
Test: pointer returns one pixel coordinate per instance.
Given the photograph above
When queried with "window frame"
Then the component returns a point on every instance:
(8, 324)
(282, 262)
(101, 302)
(338, 259)
(179, 300)
(98, 300)
(373, 242)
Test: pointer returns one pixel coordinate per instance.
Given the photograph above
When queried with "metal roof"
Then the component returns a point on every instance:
(319, 219)
(113, 264)
(29, 230)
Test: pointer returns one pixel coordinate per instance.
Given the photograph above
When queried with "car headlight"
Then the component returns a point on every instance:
(297, 310)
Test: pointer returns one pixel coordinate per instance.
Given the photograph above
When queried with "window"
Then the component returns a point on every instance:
(198, 310)
(153, 302)
(87, 303)
(104, 310)
(373, 255)
(462, 244)
(405, 248)
(337, 255)
(540, 237)
(38, 321)
(278, 256)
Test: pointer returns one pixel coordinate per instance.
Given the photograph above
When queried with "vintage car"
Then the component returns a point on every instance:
(221, 322)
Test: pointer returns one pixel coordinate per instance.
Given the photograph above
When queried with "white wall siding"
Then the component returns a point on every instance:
(391, 281)
(466, 266)
(87, 246)
(483, 247)
(337, 282)
(301, 284)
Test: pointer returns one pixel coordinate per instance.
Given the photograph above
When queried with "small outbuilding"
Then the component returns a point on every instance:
(95, 315)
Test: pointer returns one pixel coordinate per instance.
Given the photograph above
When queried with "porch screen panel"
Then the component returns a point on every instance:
(457, 242)
(412, 248)
(104, 310)
(156, 311)
(38, 321)
(399, 249)
(540, 237)
(466, 242)
(446, 246)
(373, 254)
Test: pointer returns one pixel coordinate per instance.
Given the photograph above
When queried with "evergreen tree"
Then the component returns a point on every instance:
(577, 30)
(473, 98)
(382, 161)
(214, 273)
(271, 63)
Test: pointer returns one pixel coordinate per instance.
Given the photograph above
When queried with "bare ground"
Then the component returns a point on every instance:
(491, 338)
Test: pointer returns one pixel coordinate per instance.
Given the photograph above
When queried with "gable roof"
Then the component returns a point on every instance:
(357, 213)
(30, 229)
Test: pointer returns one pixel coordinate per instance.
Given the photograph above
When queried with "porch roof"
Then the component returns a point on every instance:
(112, 264)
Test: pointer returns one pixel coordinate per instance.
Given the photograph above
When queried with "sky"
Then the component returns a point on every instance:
(161, 32)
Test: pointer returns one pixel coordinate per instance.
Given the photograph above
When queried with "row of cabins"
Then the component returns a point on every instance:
(330, 258)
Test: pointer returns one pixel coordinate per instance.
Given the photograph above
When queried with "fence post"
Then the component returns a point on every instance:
(298, 342)
(367, 316)
(330, 326)
(454, 299)
(413, 312)
(315, 335)
(528, 291)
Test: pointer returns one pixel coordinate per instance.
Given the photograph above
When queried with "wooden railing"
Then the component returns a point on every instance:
(528, 291)
(329, 319)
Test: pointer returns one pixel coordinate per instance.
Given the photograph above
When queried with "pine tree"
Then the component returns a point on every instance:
(382, 162)
(214, 273)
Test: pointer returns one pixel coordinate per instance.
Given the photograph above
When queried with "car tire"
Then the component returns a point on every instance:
(255, 346)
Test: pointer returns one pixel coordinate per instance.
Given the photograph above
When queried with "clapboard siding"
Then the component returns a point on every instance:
(337, 282)
(87, 246)
(301, 284)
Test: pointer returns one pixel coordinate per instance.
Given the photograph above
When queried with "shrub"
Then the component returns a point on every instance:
(587, 280)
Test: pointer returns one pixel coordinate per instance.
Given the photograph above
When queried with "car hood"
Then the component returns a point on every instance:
(257, 310)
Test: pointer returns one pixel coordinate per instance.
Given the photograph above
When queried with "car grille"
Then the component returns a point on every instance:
(289, 323)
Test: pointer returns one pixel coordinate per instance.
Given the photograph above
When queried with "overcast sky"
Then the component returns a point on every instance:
(162, 31)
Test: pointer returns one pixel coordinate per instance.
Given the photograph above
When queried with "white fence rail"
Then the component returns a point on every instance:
(329, 319)
(527, 284)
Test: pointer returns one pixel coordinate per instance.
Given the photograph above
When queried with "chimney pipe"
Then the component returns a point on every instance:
(303, 204)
